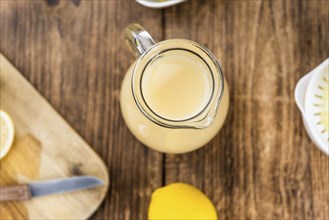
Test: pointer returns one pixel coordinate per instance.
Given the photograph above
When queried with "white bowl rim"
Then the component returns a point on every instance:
(323, 146)
(151, 4)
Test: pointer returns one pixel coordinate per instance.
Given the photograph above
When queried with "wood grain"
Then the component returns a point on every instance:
(75, 55)
(262, 165)
(45, 147)
(15, 193)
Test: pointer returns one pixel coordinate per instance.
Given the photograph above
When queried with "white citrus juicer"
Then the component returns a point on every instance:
(312, 98)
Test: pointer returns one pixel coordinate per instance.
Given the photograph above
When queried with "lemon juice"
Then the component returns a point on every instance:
(176, 83)
(175, 86)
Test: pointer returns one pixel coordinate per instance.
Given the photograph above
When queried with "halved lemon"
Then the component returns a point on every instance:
(180, 201)
(6, 133)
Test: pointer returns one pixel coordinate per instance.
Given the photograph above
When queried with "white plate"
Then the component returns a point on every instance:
(159, 4)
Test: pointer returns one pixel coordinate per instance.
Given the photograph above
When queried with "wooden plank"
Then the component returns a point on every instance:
(73, 52)
(45, 147)
(261, 165)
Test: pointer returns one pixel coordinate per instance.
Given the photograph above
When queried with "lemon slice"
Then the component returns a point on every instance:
(7, 133)
(180, 201)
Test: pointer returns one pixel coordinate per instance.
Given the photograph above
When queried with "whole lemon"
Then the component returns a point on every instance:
(180, 201)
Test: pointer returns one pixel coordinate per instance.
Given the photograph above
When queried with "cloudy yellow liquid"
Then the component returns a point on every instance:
(175, 87)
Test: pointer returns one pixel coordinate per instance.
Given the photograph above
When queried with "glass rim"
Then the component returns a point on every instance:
(207, 114)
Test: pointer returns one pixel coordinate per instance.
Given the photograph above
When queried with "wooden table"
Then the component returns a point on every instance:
(261, 165)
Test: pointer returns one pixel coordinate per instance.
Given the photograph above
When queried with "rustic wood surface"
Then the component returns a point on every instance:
(262, 165)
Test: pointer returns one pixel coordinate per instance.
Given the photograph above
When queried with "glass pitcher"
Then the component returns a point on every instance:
(174, 97)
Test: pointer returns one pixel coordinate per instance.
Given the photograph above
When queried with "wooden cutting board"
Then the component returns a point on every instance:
(45, 147)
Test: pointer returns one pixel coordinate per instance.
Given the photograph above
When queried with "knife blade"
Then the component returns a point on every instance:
(56, 186)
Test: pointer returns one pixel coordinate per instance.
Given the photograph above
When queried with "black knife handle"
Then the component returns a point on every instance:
(15, 193)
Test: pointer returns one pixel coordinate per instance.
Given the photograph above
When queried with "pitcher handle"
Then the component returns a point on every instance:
(139, 40)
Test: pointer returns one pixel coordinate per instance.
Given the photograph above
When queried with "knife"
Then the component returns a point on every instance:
(28, 191)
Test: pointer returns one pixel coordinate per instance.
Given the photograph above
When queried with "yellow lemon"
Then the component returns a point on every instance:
(7, 133)
(180, 201)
